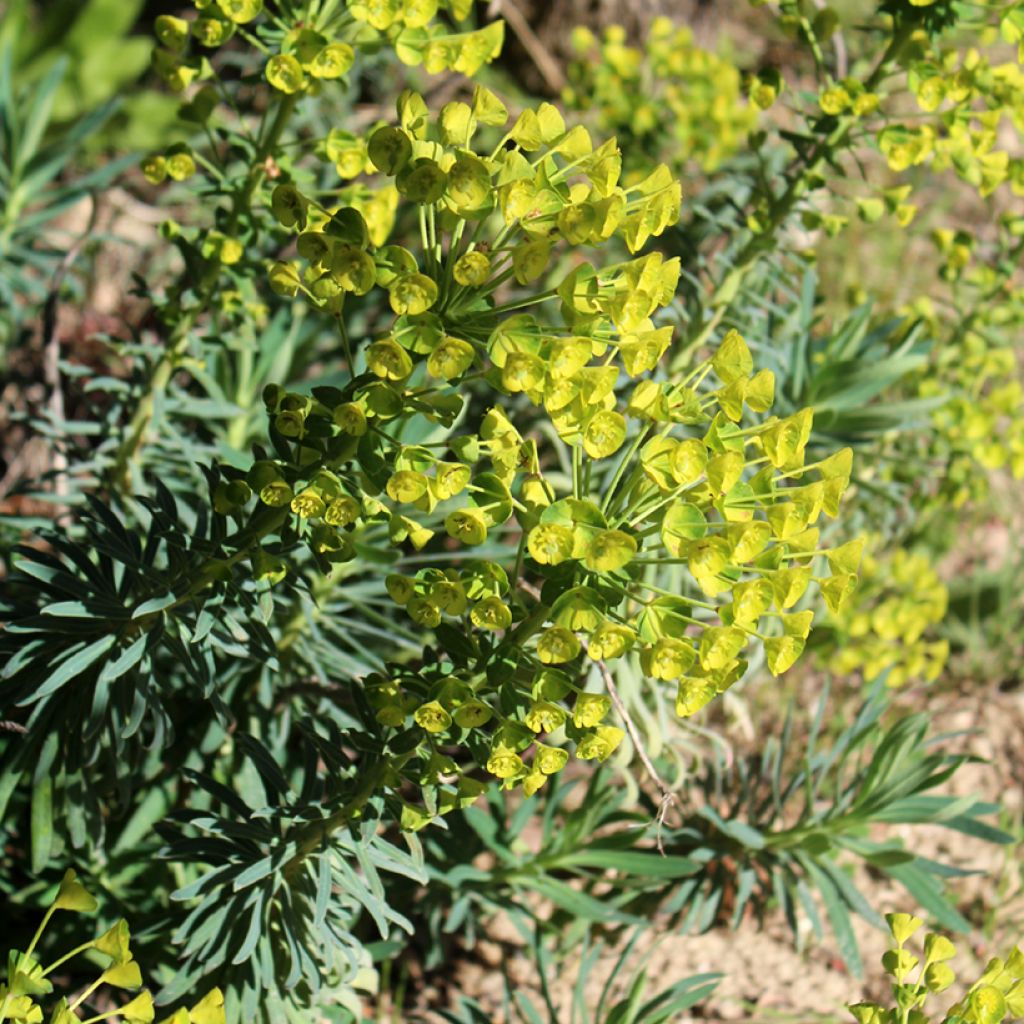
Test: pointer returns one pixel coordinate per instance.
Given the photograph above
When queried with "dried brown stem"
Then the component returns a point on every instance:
(549, 68)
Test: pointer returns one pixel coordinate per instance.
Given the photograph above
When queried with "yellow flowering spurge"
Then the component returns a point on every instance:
(508, 426)
(996, 996)
(884, 621)
(302, 53)
(978, 418)
(28, 995)
(554, 569)
(671, 98)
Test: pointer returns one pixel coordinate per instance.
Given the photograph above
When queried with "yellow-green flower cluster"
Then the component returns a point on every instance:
(301, 53)
(996, 996)
(509, 431)
(736, 506)
(671, 98)
(980, 427)
(972, 98)
(887, 624)
(28, 984)
(656, 472)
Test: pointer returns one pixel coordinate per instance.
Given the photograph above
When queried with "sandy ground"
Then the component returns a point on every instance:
(766, 978)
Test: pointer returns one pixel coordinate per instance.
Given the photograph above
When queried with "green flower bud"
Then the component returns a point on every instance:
(549, 760)
(600, 744)
(285, 73)
(212, 32)
(328, 542)
(289, 206)
(471, 714)
(903, 926)
(423, 611)
(491, 613)
(290, 423)
(277, 493)
(533, 782)
(899, 963)
(938, 977)
(472, 269)
(383, 401)
(180, 164)
(72, 895)
(469, 183)
(341, 511)
(432, 717)
(451, 358)
(604, 434)
(557, 646)
(610, 550)
(589, 709)
(154, 169)
(450, 479)
(123, 975)
(308, 504)
(114, 942)
(230, 495)
(284, 279)
(609, 641)
(388, 360)
(241, 11)
(406, 486)
(938, 948)
(668, 659)
(350, 419)
(468, 525)
(693, 694)
(333, 61)
(412, 294)
(421, 181)
(550, 543)
(544, 716)
(866, 1013)
(389, 150)
(172, 32)
(505, 763)
(400, 588)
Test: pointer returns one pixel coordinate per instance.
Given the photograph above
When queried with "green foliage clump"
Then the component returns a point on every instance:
(670, 100)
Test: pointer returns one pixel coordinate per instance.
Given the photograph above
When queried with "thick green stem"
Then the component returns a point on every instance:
(312, 836)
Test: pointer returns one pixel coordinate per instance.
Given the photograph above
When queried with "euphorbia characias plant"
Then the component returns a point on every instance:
(516, 402)
(517, 399)
(510, 449)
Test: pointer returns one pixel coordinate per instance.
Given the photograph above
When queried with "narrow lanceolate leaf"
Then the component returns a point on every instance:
(838, 917)
(83, 658)
(125, 661)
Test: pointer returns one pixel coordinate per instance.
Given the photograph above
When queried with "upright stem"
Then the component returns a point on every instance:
(313, 835)
(168, 362)
(799, 182)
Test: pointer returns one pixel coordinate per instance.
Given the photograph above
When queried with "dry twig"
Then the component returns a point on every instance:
(549, 68)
